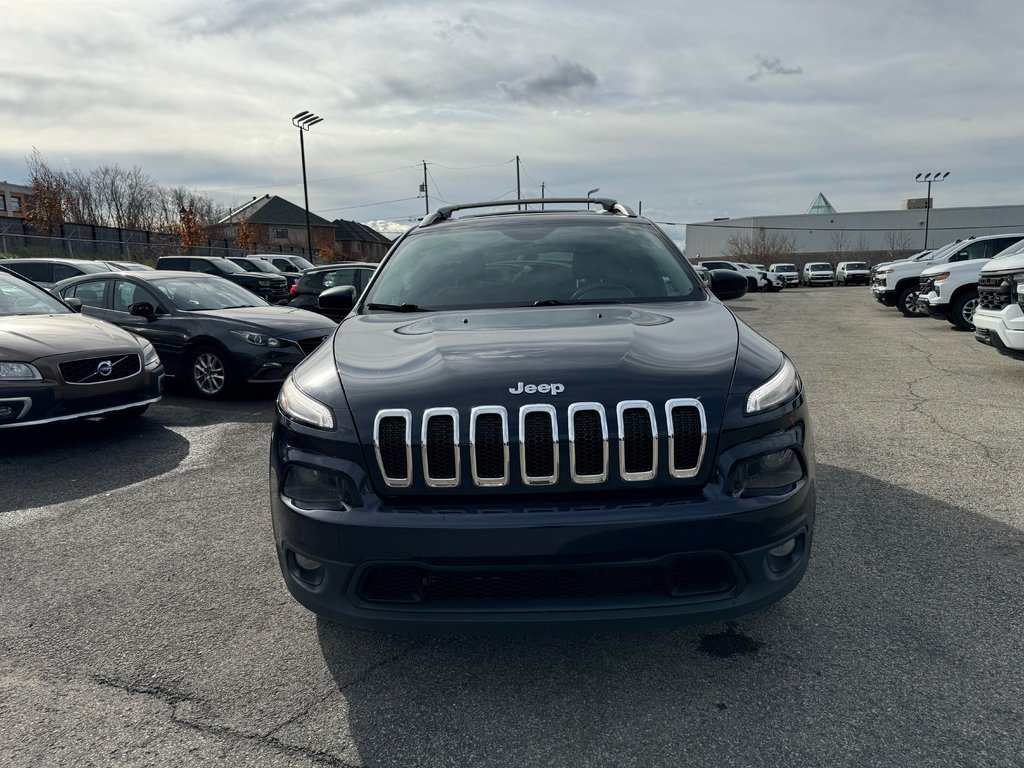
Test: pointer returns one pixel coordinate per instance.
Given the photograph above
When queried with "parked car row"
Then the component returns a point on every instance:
(975, 284)
(758, 278)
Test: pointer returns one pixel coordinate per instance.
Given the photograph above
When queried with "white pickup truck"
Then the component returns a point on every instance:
(950, 291)
(999, 319)
(899, 284)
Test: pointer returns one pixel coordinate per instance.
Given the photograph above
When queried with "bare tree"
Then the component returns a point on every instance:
(861, 250)
(840, 244)
(897, 243)
(761, 247)
(45, 207)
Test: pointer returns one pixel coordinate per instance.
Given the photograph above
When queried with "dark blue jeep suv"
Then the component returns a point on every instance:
(541, 418)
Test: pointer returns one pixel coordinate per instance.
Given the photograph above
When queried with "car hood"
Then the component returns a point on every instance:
(604, 354)
(1005, 264)
(957, 268)
(25, 338)
(272, 320)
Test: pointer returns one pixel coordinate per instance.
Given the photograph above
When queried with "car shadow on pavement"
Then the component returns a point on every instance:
(901, 646)
(73, 460)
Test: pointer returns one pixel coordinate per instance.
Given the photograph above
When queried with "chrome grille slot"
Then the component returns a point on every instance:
(488, 445)
(687, 436)
(588, 443)
(392, 442)
(638, 440)
(440, 440)
(538, 444)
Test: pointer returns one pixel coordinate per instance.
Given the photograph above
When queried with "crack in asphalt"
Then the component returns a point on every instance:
(173, 698)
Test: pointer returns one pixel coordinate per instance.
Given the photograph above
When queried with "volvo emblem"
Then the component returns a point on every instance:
(104, 368)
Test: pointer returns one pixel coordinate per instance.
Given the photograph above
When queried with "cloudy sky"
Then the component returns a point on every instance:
(697, 109)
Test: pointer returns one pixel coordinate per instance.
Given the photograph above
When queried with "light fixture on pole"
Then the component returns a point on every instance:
(304, 121)
(590, 193)
(929, 178)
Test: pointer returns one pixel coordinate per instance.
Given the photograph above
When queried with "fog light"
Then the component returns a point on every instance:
(770, 473)
(784, 556)
(305, 568)
(783, 549)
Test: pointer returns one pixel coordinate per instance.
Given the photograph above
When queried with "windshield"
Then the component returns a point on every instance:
(784, 268)
(1014, 249)
(301, 263)
(856, 265)
(19, 298)
(524, 262)
(228, 266)
(207, 292)
(819, 267)
(259, 265)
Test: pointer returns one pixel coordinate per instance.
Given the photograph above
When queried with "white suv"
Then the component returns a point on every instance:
(999, 319)
(756, 279)
(899, 284)
(789, 272)
(950, 291)
(818, 273)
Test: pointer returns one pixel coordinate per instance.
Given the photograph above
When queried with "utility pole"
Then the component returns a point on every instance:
(519, 189)
(426, 192)
(929, 179)
(542, 195)
(304, 121)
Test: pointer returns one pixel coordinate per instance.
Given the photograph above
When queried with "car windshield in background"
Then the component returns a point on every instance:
(820, 267)
(301, 262)
(198, 293)
(228, 266)
(856, 265)
(259, 265)
(525, 263)
(19, 298)
(786, 268)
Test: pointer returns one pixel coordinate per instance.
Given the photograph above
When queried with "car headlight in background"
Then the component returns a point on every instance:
(150, 359)
(18, 372)
(300, 407)
(260, 339)
(1019, 280)
(884, 272)
(780, 388)
(940, 278)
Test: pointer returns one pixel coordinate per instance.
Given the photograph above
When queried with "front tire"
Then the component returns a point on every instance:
(961, 314)
(209, 373)
(906, 302)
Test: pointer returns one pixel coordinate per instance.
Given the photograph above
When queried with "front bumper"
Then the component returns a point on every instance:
(931, 305)
(856, 279)
(269, 365)
(821, 280)
(1003, 330)
(883, 294)
(35, 403)
(487, 541)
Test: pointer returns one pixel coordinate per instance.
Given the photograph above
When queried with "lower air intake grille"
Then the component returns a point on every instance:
(682, 577)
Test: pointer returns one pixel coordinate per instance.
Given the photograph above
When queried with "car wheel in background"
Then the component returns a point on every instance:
(907, 302)
(209, 373)
(962, 312)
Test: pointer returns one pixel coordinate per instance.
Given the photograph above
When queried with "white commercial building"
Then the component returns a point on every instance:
(864, 235)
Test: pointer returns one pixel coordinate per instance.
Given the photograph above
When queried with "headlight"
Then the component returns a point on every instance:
(885, 272)
(300, 407)
(776, 471)
(259, 339)
(783, 386)
(150, 359)
(18, 372)
(943, 276)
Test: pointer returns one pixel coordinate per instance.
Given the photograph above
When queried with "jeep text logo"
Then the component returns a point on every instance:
(529, 389)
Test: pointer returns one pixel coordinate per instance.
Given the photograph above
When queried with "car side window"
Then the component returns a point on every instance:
(127, 293)
(92, 293)
(40, 273)
(205, 267)
(340, 277)
(282, 264)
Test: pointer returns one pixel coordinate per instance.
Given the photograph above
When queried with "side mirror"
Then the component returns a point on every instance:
(75, 304)
(340, 299)
(143, 309)
(726, 284)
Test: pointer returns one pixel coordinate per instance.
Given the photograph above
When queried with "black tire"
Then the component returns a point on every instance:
(209, 373)
(906, 302)
(961, 314)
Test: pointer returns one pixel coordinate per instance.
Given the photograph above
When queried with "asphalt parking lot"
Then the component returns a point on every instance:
(144, 621)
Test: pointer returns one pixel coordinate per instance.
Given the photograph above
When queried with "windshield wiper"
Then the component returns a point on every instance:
(396, 307)
(561, 303)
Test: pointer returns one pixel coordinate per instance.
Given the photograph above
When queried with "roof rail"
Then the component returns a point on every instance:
(607, 204)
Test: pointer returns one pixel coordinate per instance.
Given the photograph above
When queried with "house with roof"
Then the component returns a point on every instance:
(278, 224)
(357, 242)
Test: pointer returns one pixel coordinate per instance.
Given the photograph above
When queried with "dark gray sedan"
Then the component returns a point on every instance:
(210, 332)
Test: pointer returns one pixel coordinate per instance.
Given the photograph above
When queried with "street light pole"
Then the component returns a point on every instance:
(928, 178)
(304, 121)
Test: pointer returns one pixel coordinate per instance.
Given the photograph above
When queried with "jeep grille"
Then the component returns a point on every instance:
(639, 431)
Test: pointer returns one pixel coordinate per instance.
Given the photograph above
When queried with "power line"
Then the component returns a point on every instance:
(473, 167)
(311, 181)
(369, 205)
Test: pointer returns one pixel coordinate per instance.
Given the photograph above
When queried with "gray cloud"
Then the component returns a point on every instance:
(564, 79)
(232, 16)
(772, 65)
(466, 26)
